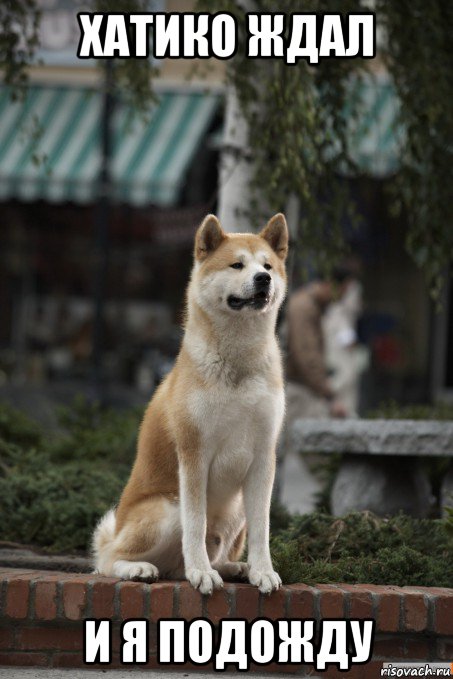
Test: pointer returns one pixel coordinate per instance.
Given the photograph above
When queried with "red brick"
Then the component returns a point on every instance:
(417, 649)
(390, 648)
(53, 576)
(302, 601)
(24, 659)
(74, 600)
(272, 668)
(388, 612)
(40, 638)
(152, 638)
(7, 572)
(177, 669)
(116, 640)
(84, 578)
(17, 596)
(132, 600)
(154, 665)
(444, 649)
(161, 600)
(371, 670)
(46, 600)
(444, 615)
(6, 637)
(103, 598)
(69, 660)
(415, 612)
(247, 602)
(360, 601)
(331, 602)
(189, 602)
(273, 605)
(218, 605)
(434, 591)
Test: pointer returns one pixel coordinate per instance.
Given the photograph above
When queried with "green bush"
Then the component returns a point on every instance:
(54, 487)
(92, 433)
(391, 410)
(18, 428)
(361, 547)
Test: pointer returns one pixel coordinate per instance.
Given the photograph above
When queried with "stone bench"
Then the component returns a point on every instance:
(380, 470)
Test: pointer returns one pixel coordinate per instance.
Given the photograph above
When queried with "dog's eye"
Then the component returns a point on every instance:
(237, 265)
(268, 267)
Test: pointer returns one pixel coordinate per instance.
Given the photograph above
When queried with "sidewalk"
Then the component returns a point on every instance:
(33, 673)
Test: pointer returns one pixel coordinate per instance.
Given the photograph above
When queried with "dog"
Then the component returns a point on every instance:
(205, 463)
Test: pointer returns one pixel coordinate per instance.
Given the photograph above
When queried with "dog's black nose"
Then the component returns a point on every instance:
(262, 280)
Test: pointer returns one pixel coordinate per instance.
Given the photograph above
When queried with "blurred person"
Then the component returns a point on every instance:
(309, 391)
(346, 359)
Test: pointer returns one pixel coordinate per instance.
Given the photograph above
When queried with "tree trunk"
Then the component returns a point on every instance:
(236, 168)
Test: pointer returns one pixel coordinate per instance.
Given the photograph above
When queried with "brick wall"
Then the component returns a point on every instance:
(41, 614)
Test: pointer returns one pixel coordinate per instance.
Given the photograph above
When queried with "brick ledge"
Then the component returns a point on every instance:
(41, 614)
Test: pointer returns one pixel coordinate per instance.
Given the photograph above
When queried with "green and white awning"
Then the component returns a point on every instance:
(50, 145)
(375, 135)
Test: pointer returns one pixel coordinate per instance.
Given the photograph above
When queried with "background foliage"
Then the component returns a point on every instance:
(297, 116)
(419, 55)
(54, 488)
(360, 547)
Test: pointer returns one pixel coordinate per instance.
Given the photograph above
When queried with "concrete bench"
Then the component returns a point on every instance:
(380, 470)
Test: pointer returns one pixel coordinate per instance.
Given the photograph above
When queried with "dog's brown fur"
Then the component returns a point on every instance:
(171, 507)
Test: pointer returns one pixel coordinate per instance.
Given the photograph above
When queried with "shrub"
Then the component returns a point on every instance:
(361, 547)
(53, 489)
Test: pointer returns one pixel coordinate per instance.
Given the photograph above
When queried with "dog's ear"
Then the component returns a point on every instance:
(208, 238)
(276, 234)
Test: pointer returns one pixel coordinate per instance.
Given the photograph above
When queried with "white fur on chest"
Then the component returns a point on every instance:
(235, 424)
(224, 412)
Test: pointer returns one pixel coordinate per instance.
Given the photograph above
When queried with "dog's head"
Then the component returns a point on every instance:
(240, 273)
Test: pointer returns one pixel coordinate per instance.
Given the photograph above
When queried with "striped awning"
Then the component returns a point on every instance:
(50, 145)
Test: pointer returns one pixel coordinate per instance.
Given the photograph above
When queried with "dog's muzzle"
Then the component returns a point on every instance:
(260, 298)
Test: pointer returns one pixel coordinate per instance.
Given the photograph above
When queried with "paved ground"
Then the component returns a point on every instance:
(32, 673)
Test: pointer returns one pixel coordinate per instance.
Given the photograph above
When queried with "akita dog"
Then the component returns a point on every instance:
(206, 451)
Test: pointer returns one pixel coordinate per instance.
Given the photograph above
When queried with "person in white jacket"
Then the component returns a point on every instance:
(346, 359)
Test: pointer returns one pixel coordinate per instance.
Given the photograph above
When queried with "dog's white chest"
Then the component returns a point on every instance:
(227, 413)
(235, 424)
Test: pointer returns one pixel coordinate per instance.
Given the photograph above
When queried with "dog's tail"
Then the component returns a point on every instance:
(102, 542)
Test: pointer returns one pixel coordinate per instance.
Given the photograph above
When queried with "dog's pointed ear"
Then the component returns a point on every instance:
(208, 238)
(276, 234)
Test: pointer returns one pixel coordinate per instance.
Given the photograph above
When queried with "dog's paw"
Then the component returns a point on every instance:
(204, 580)
(135, 570)
(238, 570)
(266, 581)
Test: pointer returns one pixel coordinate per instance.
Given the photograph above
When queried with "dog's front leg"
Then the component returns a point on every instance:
(257, 500)
(193, 488)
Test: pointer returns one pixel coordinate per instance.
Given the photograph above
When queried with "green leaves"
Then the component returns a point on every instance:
(53, 488)
(360, 547)
(19, 20)
(419, 57)
(295, 113)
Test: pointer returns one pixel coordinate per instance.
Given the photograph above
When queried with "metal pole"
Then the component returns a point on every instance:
(101, 228)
